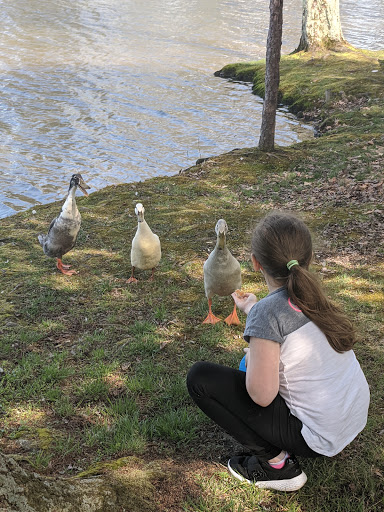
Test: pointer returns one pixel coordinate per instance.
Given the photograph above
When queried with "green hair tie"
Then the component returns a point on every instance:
(291, 264)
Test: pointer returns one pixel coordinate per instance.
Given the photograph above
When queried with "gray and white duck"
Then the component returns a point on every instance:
(146, 247)
(222, 274)
(63, 231)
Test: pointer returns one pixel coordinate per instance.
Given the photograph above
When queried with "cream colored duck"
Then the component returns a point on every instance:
(63, 231)
(146, 248)
(222, 274)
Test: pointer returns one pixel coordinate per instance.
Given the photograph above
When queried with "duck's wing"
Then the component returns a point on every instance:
(52, 224)
(43, 238)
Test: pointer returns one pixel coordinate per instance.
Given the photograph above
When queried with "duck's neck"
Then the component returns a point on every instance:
(143, 228)
(220, 245)
(69, 207)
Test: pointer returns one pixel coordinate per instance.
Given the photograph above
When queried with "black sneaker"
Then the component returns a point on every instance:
(250, 469)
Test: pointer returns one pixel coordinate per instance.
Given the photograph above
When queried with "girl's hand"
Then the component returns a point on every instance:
(245, 302)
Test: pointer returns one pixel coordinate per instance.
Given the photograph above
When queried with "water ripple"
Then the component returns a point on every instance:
(123, 91)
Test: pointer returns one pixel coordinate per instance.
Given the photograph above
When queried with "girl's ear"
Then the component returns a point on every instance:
(255, 263)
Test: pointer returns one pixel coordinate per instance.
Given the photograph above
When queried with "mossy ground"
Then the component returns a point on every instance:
(93, 369)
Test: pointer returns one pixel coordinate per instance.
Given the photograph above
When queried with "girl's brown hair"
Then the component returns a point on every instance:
(280, 238)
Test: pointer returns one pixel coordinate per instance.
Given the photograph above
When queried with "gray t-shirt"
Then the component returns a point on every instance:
(326, 390)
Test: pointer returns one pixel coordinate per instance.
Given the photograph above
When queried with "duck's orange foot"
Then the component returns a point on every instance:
(64, 269)
(211, 319)
(152, 275)
(69, 272)
(132, 280)
(232, 319)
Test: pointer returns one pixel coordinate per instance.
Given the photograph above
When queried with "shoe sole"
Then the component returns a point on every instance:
(293, 484)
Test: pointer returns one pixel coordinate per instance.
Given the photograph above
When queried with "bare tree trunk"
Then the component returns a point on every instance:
(272, 76)
(321, 27)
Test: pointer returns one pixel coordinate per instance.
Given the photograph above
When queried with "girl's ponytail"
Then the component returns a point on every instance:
(307, 294)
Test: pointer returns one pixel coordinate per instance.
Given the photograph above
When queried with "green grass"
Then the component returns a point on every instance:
(94, 368)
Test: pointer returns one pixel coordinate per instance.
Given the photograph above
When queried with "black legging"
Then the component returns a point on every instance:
(221, 394)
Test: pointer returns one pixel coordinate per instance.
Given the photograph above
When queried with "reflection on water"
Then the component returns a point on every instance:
(123, 91)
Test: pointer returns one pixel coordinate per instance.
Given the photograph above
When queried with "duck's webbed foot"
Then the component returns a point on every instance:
(211, 318)
(132, 279)
(232, 319)
(64, 269)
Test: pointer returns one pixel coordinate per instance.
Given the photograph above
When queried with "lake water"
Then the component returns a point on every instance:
(124, 91)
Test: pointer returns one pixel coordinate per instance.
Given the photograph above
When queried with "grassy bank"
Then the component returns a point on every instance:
(93, 369)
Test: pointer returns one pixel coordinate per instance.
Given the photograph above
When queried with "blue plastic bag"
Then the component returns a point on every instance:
(242, 366)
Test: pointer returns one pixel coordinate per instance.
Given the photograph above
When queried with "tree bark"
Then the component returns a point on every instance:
(321, 27)
(272, 76)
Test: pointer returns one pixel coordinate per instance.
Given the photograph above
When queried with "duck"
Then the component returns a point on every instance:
(222, 274)
(146, 246)
(63, 231)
